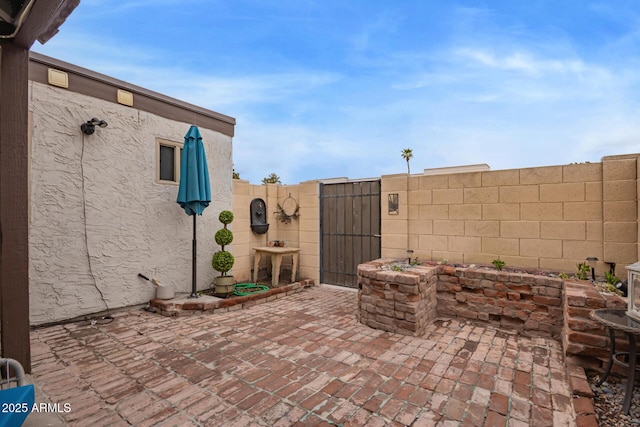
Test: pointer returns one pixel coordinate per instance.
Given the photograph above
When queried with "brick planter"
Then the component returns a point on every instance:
(185, 307)
(584, 339)
(528, 303)
(402, 302)
(534, 305)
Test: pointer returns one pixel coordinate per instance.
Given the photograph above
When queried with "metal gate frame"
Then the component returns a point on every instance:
(350, 224)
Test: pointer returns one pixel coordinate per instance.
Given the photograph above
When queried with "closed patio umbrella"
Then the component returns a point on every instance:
(194, 192)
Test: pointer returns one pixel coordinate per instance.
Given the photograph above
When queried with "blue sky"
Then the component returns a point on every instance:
(337, 88)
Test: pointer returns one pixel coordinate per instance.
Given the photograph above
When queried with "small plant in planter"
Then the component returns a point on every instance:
(583, 271)
(222, 261)
(498, 264)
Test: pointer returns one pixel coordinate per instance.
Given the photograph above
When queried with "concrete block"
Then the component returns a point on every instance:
(565, 192)
(566, 230)
(541, 248)
(559, 265)
(499, 178)
(594, 230)
(413, 212)
(448, 227)
(394, 183)
(621, 232)
(526, 229)
(620, 211)
(520, 261)
(434, 212)
(463, 180)
(577, 249)
(433, 243)
(420, 197)
(432, 182)
(621, 253)
(501, 211)
(617, 169)
(482, 228)
(393, 227)
(593, 191)
(541, 211)
(500, 246)
(394, 241)
(478, 258)
(481, 195)
(414, 183)
(466, 211)
(519, 193)
(422, 226)
(451, 257)
(583, 211)
(619, 190)
(447, 196)
(465, 244)
(541, 175)
(583, 172)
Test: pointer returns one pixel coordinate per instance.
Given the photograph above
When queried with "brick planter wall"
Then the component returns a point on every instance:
(405, 302)
(527, 303)
(402, 302)
(584, 339)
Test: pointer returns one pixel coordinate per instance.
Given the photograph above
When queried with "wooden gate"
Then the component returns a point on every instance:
(349, 229)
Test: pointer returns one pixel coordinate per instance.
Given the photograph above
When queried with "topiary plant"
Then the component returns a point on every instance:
(222, 260)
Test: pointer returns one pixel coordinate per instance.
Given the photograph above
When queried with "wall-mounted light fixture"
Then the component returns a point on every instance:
(592, 263)
(89, 127)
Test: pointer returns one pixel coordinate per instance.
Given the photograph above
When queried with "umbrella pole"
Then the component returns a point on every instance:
(194, 294)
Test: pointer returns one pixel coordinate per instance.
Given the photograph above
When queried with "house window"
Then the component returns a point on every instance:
(168, 161)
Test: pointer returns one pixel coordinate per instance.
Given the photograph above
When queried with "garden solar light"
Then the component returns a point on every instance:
(90, 126)
(592, 263)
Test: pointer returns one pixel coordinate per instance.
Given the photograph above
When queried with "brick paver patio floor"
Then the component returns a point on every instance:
(300, 360)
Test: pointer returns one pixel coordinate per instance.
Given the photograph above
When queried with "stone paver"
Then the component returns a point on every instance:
(299, 360)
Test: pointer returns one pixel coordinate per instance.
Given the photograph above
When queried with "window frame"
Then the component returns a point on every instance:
(177, 150)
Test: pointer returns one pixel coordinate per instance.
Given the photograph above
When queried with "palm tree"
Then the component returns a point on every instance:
(407, 153)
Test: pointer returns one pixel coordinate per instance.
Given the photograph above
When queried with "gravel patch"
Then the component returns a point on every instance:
(607, 401)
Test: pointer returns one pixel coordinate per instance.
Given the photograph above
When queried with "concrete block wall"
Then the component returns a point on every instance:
(302, 233)
(550, 217)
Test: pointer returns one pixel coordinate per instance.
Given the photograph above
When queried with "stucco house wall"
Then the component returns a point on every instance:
(98, 217)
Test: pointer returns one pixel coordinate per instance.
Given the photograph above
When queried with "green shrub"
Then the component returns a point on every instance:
(225, 217)
(222, 261)
(583, 271)
(498, 263)
(224, 237)
(611, 278)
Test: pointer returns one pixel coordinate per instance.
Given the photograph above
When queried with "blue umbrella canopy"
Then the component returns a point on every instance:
(194, 193)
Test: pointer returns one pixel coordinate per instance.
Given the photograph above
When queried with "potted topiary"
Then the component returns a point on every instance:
(222, 260)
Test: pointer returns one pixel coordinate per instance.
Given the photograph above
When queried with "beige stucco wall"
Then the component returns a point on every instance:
(546, 217)
(98, 218)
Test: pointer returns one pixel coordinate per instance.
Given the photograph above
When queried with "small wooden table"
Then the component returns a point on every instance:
(276, 260)
(617, 320)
